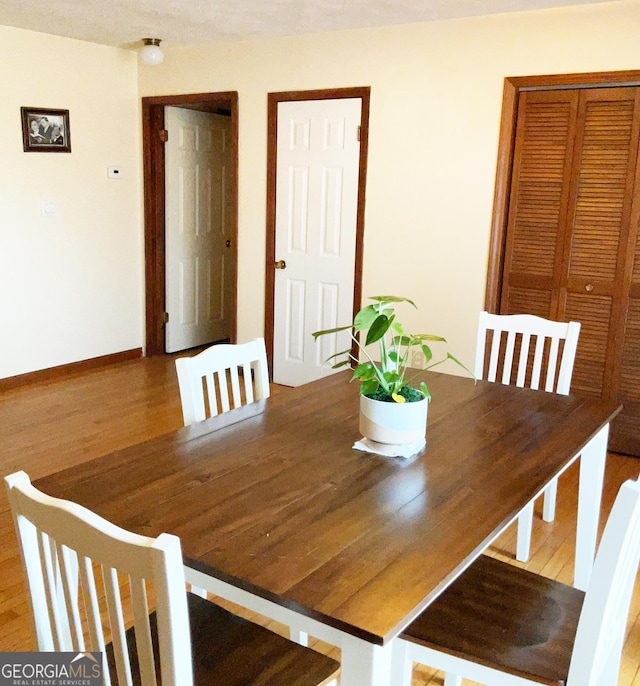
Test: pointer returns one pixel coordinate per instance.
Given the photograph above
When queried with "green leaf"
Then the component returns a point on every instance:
(425, 390)
(378, 329)
(344, 363)
(364, 371)
(365, 318)
(457, 361)
(426, 351)
(315, 334)
(403, 340)
(342, 352)
(429, 337)
(368, 387)
(391, 299)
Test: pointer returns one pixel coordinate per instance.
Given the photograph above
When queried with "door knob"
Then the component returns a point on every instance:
(588, 287)
(228, 244)
(280, 264)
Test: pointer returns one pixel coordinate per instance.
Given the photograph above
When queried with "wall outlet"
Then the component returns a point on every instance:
(417, 359)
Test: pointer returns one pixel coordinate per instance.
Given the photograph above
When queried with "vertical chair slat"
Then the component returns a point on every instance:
(144, 645)
(552, 364)
(49, 559)
(116, 624)
(92, 613)
(235, 385)
(68, 565)
(537, 363)
(248, 382)
(211, 394)
(495, 351)
(525, 346)
(508, 357)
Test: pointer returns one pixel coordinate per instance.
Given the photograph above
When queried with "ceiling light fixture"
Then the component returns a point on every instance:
(151, 52)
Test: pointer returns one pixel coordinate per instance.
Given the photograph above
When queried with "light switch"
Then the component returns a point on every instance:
(114, 172)
(49, 209)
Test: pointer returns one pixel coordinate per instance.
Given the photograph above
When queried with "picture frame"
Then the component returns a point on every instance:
(45, 130)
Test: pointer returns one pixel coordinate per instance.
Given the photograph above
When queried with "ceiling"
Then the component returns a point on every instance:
(122, 23)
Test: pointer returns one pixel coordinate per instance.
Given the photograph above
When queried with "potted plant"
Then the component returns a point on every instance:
(392, 409)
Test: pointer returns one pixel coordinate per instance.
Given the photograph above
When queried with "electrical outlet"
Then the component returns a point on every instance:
(417, 359)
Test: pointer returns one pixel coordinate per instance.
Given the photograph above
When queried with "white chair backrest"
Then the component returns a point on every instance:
(72, 556)
(601, 628)
(222, 363)
(535, 335)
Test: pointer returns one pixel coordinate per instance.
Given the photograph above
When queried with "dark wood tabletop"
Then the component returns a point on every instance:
(273, 499)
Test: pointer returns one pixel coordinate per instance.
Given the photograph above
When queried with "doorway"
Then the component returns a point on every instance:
(330, 237)
(154, 136)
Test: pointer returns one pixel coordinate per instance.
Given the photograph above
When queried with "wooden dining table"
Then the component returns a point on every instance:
(276, 510)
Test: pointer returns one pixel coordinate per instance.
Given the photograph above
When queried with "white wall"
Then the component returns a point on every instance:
(70, 286)
(436, 94)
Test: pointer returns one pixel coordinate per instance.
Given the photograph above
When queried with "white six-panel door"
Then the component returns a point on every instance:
(197, 228)
(316, 212)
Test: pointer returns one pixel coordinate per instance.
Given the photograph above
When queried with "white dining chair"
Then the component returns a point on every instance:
(91, 585)
(502, 625)
(526, 350)
(206, 378)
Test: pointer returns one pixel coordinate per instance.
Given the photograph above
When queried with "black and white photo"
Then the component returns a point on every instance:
(45, 130)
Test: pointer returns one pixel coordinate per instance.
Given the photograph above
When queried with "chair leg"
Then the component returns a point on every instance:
(452, 679)
(549, 507)
(525, 524)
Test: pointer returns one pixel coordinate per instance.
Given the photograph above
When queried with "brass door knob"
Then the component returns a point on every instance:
(588, 287)
(280, 264)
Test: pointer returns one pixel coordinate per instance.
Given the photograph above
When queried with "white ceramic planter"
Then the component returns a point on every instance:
(393, 423)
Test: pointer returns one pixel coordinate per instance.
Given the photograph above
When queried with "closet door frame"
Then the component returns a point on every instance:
(506, 144)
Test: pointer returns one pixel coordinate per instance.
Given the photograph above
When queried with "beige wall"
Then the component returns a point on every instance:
(436, 92)
(70, 286)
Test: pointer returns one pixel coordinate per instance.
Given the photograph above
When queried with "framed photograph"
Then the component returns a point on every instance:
(45, 130)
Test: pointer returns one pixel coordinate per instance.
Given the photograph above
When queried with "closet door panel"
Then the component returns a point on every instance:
(594, 314)
(539, 193)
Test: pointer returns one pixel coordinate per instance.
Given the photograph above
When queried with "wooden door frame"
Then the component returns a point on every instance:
(364, 93)
(506, 144)
(154, 199)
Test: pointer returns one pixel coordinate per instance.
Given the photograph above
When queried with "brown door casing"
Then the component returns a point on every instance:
(364, 93)
(153, 141)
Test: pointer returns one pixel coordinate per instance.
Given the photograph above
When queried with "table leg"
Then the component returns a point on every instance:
(364, 664)
(592, 463)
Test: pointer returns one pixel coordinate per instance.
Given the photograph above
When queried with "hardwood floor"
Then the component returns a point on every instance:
(49, 426)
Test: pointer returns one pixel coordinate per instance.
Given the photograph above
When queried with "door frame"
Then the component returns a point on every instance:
(154, 198)
(506, 148)
(362, 92)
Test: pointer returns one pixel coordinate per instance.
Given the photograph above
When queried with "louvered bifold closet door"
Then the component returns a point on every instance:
(600, 210)
(571, 234)
(538, 204)
(540, 185)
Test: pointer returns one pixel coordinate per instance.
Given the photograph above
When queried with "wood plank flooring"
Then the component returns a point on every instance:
(50, 426)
